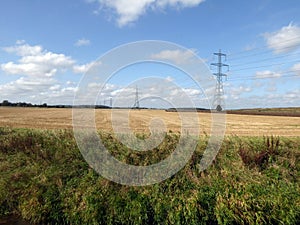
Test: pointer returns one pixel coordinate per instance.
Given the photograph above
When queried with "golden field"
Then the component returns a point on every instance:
(139, 120)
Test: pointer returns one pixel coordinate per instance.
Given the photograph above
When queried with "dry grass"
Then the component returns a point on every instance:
(139, 120)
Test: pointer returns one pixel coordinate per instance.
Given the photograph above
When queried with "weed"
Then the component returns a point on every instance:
(45, 180)
(268, 149)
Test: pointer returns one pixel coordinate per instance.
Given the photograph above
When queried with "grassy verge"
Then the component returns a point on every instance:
(45, 180)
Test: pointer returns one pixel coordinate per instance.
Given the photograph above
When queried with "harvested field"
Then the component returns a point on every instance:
(244, 125)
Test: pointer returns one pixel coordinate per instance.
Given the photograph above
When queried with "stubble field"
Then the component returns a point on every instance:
(139, 121)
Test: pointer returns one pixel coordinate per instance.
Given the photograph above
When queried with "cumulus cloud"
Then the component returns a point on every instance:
(192, 91)
(35, 61)
(81, 68)
(55, 87)
(129, 11)
(85, 67)
(38, 71)
(23, 49)
(38, 80)
(237, 91)
(177, 56)
(24, 87)
(284, 40)
(82, 42)
(48, 90)
(267, 74)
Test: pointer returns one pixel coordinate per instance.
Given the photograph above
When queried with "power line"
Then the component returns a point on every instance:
(261, 78)
(266, 59)
(274, 64)
(283, 74)
(259, 53)
(267, 46)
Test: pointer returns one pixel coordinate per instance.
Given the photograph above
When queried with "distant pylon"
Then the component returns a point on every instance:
(219, 102)
(137, 101)
(110, 102)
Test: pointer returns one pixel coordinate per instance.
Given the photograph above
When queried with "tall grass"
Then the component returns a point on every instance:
(45, 180)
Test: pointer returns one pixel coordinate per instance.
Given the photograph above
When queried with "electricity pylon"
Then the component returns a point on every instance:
(137, 101)
(219, 102)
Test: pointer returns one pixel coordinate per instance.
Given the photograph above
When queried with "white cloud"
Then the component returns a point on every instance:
(49, 58)
(71, 89)
(238, 91)
(23, 49)
(169, 78)
(268, 93)
(293, 95)
(38, 69)
(35, 61)
(163, 94)
(85, 67)
(284, 40)
(296, 68)
(177, 56)
(82, 42)
(192, 91)
(129, 11)
(267, 74)
(178, 3)
(20, 42)
(71, 83)
(271, 88)
(24, 87)
(39, 90)
(81, 68)
(55, 87)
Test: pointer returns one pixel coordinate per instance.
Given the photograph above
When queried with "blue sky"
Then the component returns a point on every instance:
(46, 46)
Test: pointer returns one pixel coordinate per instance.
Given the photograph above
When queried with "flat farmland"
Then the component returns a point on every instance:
(139, 121)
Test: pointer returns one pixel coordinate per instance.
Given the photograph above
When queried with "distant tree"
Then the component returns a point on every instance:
(6, 103)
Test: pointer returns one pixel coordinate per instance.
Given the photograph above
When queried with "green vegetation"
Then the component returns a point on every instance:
(45, 180)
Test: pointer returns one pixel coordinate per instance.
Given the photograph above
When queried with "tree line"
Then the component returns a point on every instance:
(45, 105)
(26, 104)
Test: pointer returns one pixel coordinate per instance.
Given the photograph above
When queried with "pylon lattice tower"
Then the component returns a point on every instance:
(137, 101)
(219, 102)
(110, 102)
